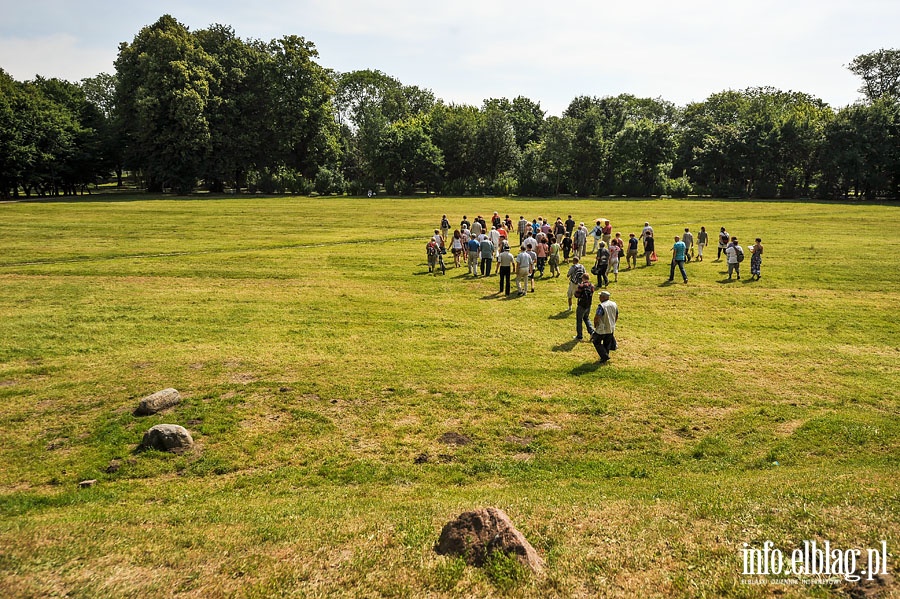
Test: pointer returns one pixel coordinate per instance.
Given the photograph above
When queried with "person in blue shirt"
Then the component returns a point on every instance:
(678, 256)
(473, 256)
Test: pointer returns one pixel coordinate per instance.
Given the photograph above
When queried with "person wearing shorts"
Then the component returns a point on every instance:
(702, 240)
(632, 255)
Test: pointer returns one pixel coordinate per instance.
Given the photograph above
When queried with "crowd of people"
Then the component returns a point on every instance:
(485, 249)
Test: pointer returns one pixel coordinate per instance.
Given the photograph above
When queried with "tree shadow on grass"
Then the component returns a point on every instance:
(567, 346)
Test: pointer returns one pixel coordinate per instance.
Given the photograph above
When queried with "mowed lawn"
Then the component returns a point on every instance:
(320, 364)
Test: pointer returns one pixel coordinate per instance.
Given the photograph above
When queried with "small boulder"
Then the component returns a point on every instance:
(168, 437)
(476, 534)
(157, 402)
(87, 483)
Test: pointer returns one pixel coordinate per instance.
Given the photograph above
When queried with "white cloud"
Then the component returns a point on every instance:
(58, 55)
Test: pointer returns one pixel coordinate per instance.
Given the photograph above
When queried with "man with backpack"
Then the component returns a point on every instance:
(723, 243)
(575, 275)
(735, 255)
(585, 294)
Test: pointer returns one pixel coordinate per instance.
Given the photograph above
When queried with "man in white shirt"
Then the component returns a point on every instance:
(494, 236)
(732, 255)
(605, 319)
(647, 231)
(523, 267)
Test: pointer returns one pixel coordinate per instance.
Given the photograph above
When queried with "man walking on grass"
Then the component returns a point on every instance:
(605, 318)
(505, 260)
(678, 256)
(523, 268)
(585, 295)
(487, 256)
(575, 274)
(734, 254)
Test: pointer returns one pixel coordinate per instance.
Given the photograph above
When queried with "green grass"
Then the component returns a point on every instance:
(317, 360)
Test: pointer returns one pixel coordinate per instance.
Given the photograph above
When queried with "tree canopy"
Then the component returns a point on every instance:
(187, 109)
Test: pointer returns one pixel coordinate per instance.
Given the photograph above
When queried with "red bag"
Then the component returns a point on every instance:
(653, 257)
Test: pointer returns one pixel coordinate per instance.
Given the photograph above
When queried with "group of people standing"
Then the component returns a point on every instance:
(483, 246)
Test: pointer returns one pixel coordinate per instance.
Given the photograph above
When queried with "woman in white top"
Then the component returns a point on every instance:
(456, 247)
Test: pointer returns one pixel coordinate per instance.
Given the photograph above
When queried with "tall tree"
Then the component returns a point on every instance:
(163, 88)
(238, 108)
(495, 145)
(525, 116)
(407, 158)
(861, 152)
(880, 72)
(300, 90)
(558, 138)
(641, 157)
(100, 91)
(454, 130)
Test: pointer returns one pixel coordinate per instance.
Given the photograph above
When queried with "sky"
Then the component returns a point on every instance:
(468, 50)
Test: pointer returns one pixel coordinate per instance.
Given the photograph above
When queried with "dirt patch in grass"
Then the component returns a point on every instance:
(453, 438)
(787, 428)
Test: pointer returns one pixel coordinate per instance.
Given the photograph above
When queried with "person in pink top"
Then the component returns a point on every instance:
(615, 250)
(542, 250)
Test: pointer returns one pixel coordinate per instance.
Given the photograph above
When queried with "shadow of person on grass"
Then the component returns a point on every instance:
(561, 315)
(567, 346)
(587, 368)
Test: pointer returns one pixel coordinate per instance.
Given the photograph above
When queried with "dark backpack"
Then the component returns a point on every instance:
(740, 253)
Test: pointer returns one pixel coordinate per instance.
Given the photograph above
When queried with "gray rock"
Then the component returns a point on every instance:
(157, 402)
(168, 437)
(87, 483)
(476, 534)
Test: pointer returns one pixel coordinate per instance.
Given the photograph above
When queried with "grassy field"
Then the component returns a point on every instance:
(320, 364)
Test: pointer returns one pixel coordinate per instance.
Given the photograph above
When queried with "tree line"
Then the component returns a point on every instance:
(206, 109)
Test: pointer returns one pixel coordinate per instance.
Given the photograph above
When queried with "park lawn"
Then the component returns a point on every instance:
(320, 364)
